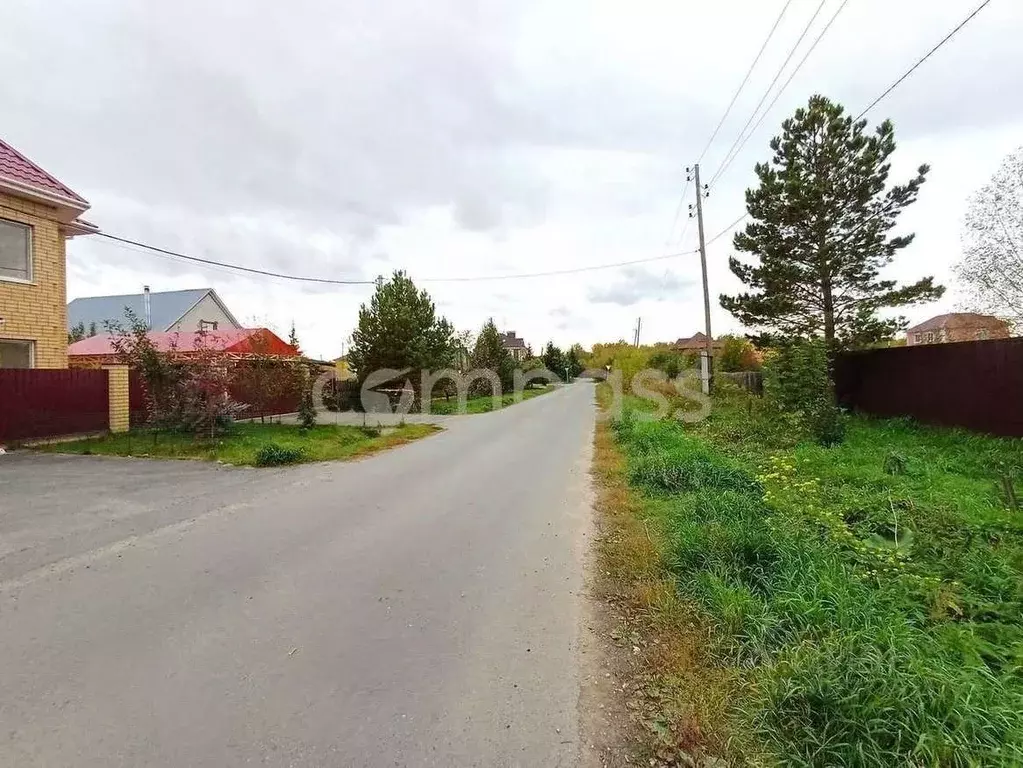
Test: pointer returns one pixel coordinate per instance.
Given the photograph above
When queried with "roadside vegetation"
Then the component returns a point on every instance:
(863, 602)
(252, 444)
(484, 403)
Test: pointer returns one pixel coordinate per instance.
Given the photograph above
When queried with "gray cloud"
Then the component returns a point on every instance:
(455, 138)
(637, 284)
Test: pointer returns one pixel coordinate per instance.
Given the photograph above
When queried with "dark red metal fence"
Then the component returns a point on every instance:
(40, 403)
(976, 385)
(138, 413)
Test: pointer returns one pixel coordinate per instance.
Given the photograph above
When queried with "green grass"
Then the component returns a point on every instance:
(869, 596)
(243, 444)
(483, 404)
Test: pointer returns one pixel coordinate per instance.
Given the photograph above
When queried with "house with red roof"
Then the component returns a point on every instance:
(38, 214)
(957, 326)
(696, 343)
(234, 344)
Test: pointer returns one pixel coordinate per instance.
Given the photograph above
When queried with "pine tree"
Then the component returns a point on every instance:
(400, 329)
(490, 354)
(820, 233)
(554, 360)
(574, 360)
(293, 338)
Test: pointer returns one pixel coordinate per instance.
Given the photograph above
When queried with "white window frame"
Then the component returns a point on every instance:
(31, 349)
(929, 337)
(31, 260)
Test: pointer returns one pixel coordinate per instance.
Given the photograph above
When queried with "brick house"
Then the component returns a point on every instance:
(957, 326)
(696, 343)
(37, 215)
(514, 346)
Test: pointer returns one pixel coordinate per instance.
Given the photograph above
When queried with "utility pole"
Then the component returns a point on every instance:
(701, 192)
(639, 328)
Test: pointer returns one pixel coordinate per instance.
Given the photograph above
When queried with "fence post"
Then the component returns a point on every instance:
(117, 392)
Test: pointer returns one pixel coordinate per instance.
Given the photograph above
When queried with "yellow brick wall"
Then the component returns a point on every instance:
(120, 409)
(38, 311)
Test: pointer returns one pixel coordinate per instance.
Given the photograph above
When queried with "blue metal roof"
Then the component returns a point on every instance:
(166, 308)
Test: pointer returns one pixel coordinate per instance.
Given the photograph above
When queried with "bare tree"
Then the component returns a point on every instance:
(991, 270)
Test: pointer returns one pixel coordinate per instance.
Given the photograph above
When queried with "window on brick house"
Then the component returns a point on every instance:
(15, 251)
(918, 337)
(929, 337)
(16, 354)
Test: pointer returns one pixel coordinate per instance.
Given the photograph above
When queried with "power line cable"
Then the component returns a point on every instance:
(238, 267)
(745, 80)
(912, 69)
(729, 160)
(212, 263)
(678, 212)
(576, 270)
(893, 86)
(777, 75)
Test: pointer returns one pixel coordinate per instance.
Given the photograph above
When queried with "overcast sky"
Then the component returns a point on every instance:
(458, 139)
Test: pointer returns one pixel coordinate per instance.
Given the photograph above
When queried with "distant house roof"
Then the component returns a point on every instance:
(954, 320)
(166, 308)
(235, 341)
(697, 341)
(511, 341)
(22, 172)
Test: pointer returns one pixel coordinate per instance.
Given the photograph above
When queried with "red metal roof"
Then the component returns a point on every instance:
(956, 320)
(239, 342)
(16, 167)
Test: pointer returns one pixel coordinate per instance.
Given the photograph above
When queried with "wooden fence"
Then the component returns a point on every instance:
(40, 403)
(977, 385)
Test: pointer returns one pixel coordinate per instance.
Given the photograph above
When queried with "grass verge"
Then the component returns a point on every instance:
(863, 603)
(484, 404)
(246, 443)
(677, 693)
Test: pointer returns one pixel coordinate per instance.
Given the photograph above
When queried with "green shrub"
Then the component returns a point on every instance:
(273, 454)
(306, 409)
(797, 380)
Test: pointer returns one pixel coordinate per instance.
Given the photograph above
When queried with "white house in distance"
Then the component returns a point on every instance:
(198, 309)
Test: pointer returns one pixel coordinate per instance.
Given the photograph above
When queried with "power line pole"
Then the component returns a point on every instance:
(701, 192)
(639, 328)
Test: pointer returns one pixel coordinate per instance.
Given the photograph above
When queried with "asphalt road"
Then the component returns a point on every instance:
(421, 607)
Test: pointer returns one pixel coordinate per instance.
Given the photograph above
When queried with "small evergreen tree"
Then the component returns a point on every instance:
(92, 329)
(489, 353)
(293, 338)
(400, 329)
(77, 333)
(554, 360)
(574, 360)
(820, 233)
(306, 409)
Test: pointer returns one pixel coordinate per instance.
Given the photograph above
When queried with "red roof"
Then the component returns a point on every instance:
(955, 320)
(237, 342)
(14, 166)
